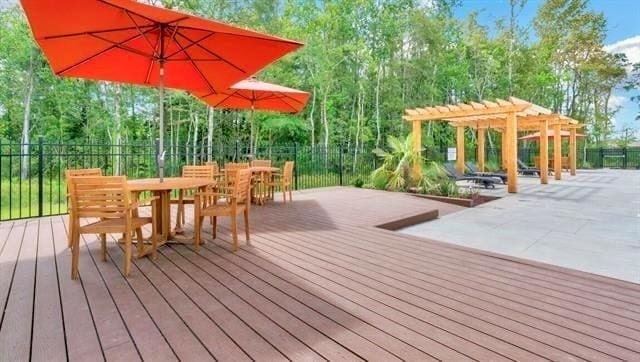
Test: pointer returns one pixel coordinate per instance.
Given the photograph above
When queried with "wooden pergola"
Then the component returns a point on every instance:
(507, 117)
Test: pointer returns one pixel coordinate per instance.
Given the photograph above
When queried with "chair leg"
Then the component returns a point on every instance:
(246, 226)
(234, 232)
(75, 254)
(197, 225)
(154, 242)
(70, 234)
(140, 243)
(127, 254)
(103, 246)
(214, 226)
(290, 193)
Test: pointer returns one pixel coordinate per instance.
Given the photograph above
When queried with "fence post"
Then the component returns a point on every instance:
(624, 159)
(40, 175)
(601, 157)
(296, 165)
(341, 162)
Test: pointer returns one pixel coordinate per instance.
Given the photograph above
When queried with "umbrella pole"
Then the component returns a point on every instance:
(161, 124)
(253, 135)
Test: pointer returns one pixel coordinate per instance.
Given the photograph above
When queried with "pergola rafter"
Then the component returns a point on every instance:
(505, 116)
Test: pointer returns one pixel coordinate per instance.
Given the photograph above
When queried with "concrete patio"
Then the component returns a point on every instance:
(589, 222)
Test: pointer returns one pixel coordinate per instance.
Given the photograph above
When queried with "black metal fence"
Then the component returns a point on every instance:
(622, 158)
(32, 176)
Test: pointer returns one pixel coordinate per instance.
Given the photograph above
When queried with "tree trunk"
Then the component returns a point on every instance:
(210, 136)
(312, 125)
(195, 138)
(325, 125)
(117, 167)
(26, 122)
(378, 126)
(359, 108)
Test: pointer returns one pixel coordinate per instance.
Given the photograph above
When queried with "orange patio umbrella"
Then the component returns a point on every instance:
(130, 42)
(536, 136)
(253, 94)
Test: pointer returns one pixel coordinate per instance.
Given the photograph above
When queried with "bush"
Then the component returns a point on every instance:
(358, 182)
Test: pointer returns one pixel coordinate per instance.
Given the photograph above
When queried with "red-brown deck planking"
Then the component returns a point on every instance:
(319, 282)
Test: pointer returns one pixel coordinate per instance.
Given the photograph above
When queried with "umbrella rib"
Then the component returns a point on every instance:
(113, 30)
(210, 52)
(133, 12)
(192, 43)
(97, 54)
(256, 36)
(123, 47)
(225, 98)
(284, 100)
(139, 31)
(151, 60)
(196, 67)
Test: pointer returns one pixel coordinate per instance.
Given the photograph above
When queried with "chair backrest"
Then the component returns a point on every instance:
(261, 163)
(198, 171)
(472, 166)
(522, 165)
(240, 189)
(451, 170)
(99, 196)
(287, 172)
(214, 164)
(236, 165)
(230, 169)
(69, 173)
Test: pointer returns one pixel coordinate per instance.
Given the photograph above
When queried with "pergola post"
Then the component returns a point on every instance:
(572, 150)
(544, 152)
(416, 134)
(557, 152)
(481, 142)
(511, 133)
(460, 149)
(503, 149)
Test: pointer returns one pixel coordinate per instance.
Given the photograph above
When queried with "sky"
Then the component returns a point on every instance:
(623, 36)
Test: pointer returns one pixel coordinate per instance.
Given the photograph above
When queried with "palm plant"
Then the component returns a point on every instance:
(396, 172)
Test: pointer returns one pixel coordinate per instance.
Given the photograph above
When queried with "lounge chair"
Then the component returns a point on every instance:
(523, 169)
(453, 173)
(475, 171)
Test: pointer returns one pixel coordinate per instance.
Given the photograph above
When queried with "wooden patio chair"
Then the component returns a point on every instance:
(229, 171)
(261, 163)
(68, 174)
(231, 202)
(186, 196)
(106, 200)
(284, 180)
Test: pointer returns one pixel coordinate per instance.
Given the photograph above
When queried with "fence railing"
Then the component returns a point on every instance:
(32, 175)
(623, 158)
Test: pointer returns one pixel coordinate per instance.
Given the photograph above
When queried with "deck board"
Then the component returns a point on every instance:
(319, 282)
(47, 341)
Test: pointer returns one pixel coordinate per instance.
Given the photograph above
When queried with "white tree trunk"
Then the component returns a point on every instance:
(195, 138)
(325, 125)
(117, 166)
(210, 136)
(26, 122)
(312, 127)
(378, 126)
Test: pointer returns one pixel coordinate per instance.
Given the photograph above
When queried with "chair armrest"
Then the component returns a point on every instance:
(207, 193)
(152, 200)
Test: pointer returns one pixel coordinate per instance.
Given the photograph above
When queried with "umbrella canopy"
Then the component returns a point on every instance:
(126, 41)
(536, 136)
(254, 94)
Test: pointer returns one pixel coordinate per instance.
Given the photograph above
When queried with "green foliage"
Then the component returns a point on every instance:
(364, 62)
(359, 182)
(396, 172)
(492, 166)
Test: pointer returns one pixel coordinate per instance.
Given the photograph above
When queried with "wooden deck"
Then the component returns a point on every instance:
(320, 282)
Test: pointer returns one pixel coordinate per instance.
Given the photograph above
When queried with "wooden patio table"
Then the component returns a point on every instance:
(260, 192)
(163, 191)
